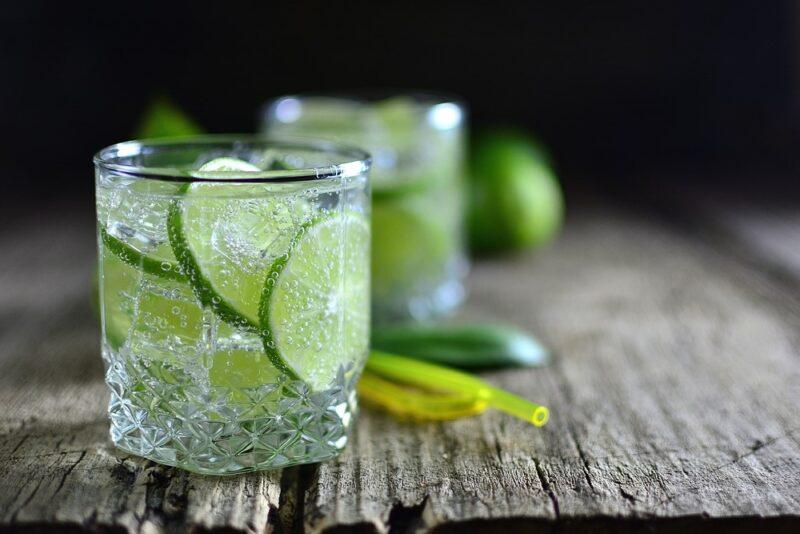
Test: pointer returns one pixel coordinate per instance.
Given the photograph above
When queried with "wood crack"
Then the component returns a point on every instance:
(284, 518)
(15, 449)
(568, 396)
(26, 501)
(546, 486)
(68, 471)
(161, 509)
(627, 496)
(582, 455)
(404, 518)
(295, 484)
(751, 450)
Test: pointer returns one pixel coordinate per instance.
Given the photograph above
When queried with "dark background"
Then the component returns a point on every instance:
(625, 93)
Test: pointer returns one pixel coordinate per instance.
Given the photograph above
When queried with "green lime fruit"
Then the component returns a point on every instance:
(315, 305)
(516, 201)
(132, 220)
(154, 316)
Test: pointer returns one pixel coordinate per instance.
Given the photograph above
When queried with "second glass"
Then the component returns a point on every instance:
(417, 145)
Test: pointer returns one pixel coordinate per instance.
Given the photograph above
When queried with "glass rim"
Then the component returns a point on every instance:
(355, 161)
(424, 100)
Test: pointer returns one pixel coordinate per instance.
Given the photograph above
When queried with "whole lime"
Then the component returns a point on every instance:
(515, 199)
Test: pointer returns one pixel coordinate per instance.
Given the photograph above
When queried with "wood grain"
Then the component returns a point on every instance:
(675, 394)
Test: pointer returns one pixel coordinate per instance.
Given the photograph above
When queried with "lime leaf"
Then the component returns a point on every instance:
(164, 119)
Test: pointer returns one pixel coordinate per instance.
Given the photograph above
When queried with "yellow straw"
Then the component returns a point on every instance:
(413, 404)
(440, 378)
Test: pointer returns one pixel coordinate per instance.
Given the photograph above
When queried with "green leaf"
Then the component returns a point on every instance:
(473, 346)
(164, 119)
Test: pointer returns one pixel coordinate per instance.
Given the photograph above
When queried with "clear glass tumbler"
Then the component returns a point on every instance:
(234, 291)
(417, 145)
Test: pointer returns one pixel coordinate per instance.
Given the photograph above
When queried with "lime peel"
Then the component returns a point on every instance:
(134, 258)
(201, 285)
(312, 234)
(270, 347)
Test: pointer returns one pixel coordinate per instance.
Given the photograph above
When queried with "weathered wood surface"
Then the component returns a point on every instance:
(675, 398)
(760, 225)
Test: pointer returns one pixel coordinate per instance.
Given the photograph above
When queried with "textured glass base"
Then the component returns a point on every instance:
(219, 431)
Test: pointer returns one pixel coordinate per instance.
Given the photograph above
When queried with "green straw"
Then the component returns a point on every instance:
(436, 377)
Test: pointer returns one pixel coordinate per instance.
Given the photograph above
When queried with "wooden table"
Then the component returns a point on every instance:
(675, 395)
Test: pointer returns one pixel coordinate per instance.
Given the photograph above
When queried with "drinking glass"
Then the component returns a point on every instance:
(417, 144)
(234, 297)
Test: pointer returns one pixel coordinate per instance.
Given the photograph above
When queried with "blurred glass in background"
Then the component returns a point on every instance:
(417, 145)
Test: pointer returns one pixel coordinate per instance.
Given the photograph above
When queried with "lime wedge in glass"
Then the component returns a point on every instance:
(168, 323)
(133, 225)
(152, 316)
(159, 261)
(238, 369)
(226, 236)
(315, 305)
(119, 285)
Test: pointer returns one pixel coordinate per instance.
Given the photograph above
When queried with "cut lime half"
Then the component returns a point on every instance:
(314, 311)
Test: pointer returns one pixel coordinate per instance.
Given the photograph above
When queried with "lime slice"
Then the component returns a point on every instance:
(226, 238)
(168, 324)
(240, 369)
(223, 167)
(160, 262)
(407, 246)
(119, 282)
(154, 316)
(315, 305)
(132, 217)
